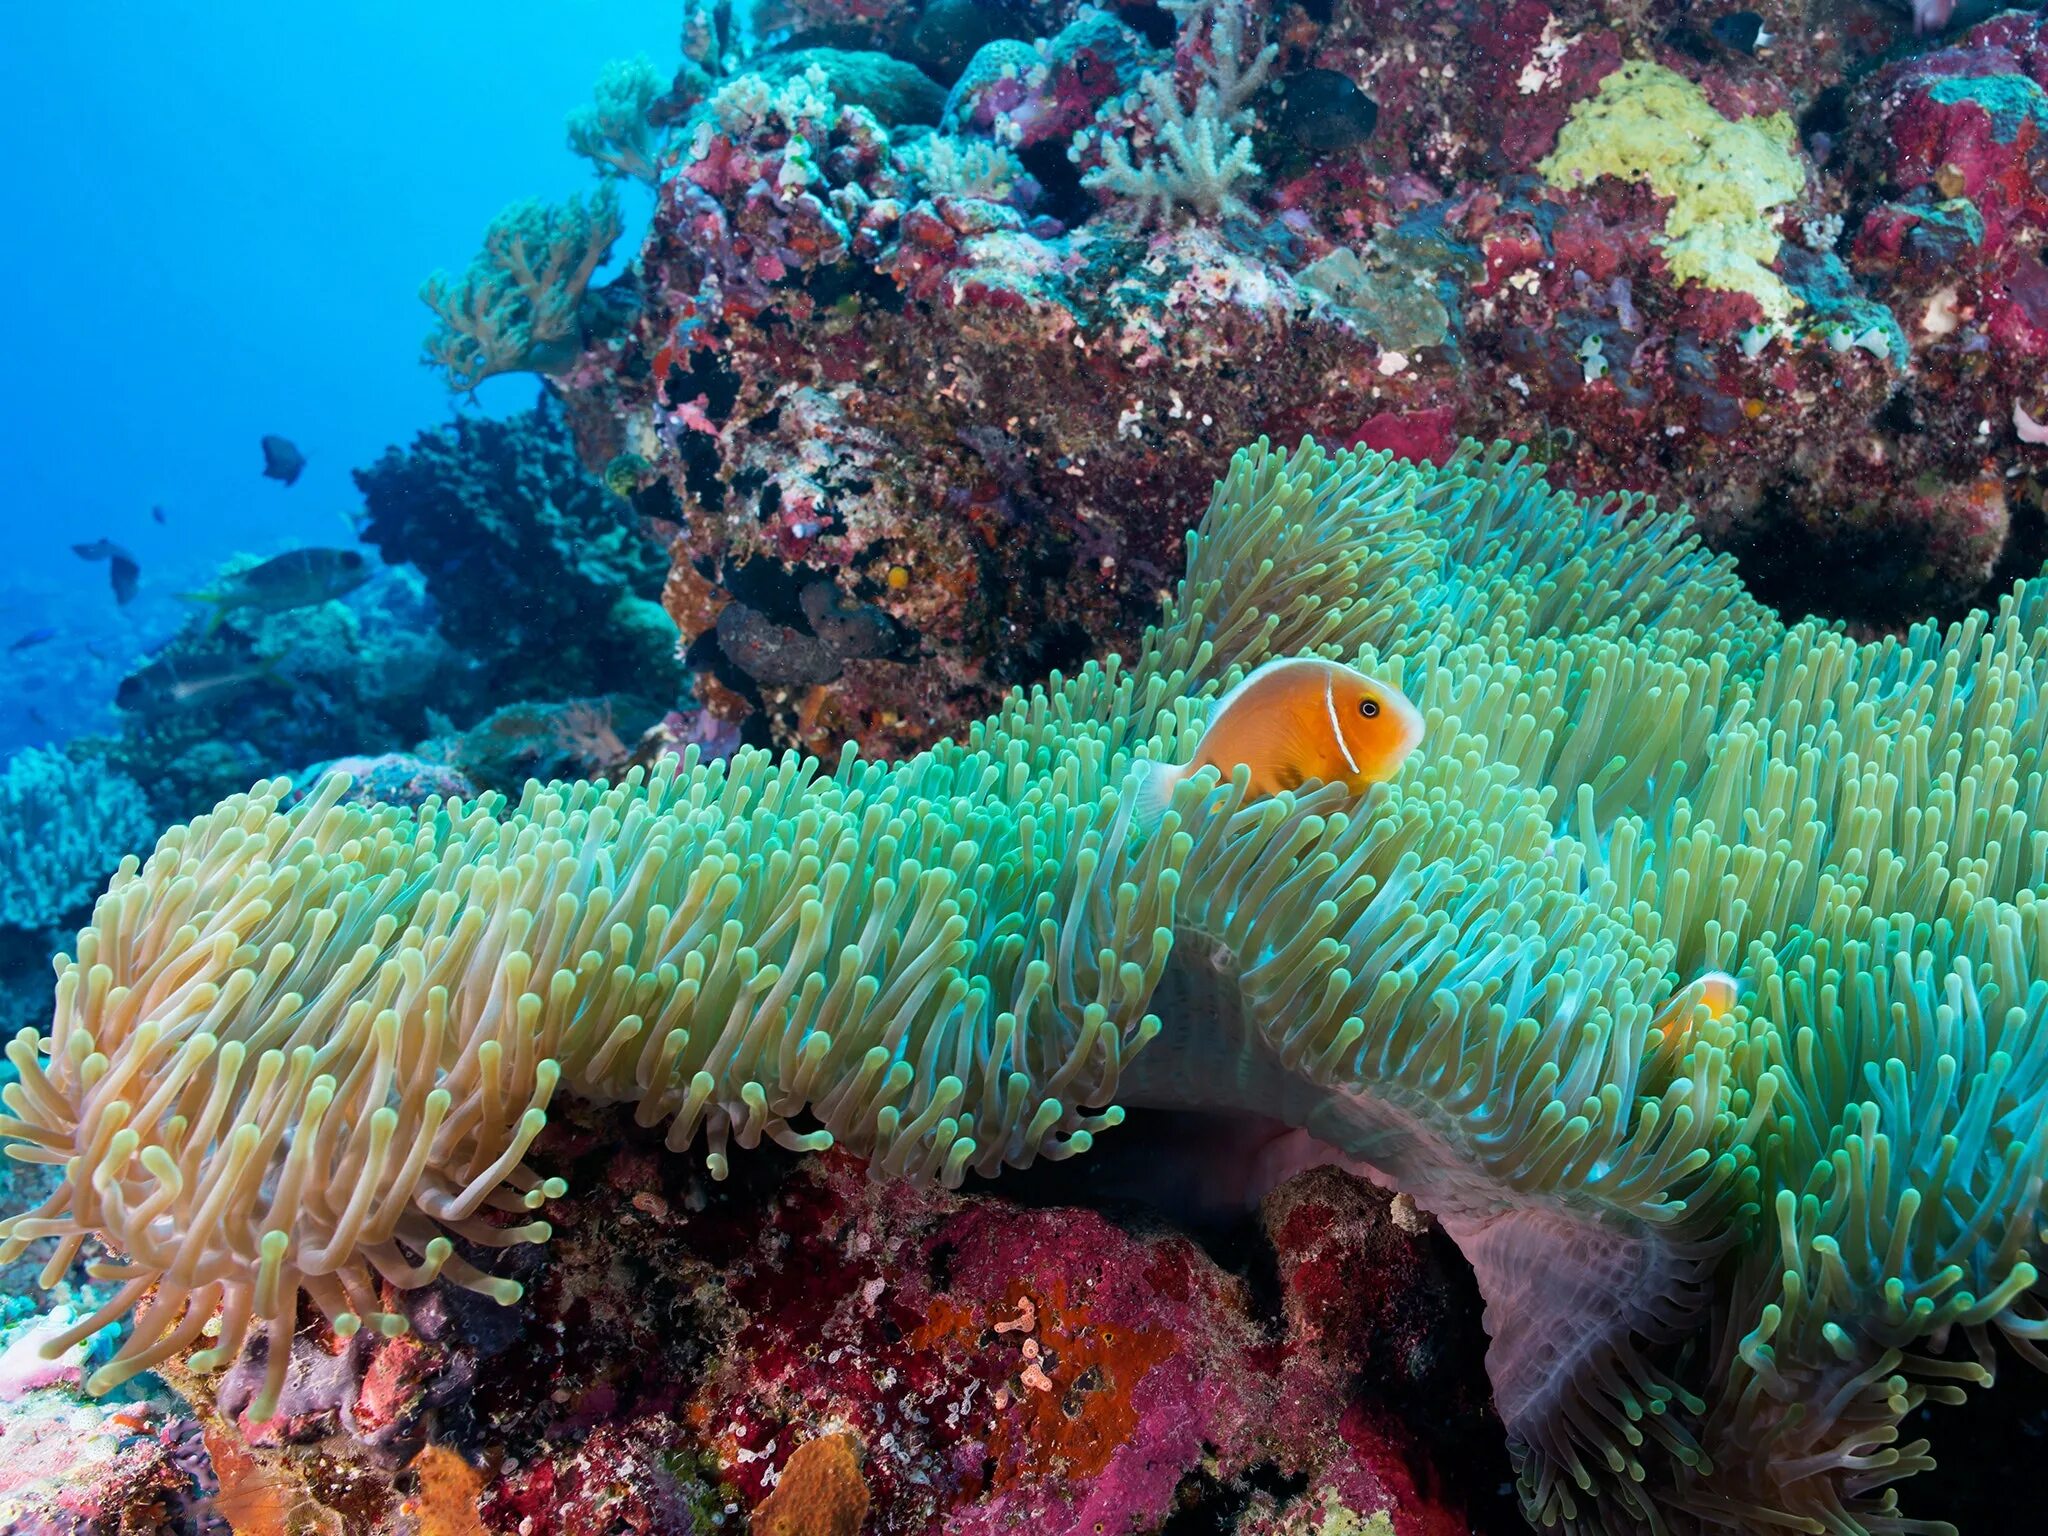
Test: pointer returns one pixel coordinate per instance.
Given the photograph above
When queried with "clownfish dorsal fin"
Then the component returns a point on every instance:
(1258, 674)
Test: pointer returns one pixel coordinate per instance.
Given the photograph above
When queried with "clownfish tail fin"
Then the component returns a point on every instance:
(1152, 791)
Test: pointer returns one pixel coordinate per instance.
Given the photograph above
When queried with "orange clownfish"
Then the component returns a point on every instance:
(1714, 991)
(1292, 721)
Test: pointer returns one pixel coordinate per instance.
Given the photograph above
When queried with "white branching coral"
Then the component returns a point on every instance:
(1199, 152)
(802, 105)
(946, 164)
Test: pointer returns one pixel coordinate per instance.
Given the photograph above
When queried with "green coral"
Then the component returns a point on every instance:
(520, 305)
(1721, 1256)
(1727, 178)
(613, 131)
(1393, 302)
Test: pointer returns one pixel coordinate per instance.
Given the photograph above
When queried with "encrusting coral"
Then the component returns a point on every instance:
(1727, 180)
(1724, 1256)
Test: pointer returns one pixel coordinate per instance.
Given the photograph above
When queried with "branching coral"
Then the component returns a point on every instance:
(1721, 1253)
(1200, 150)
(481, 507)
(519, 305)
(65, 824)
(946, 164)
(612, 130)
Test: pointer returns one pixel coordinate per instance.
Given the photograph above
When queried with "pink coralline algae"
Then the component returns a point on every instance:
(977, 379)
(999, 1367)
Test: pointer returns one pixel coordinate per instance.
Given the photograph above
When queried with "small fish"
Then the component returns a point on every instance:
(1714, 991)
(167, 687)
(1324, 111)
(124, 573)
(158, 514)
(1294, 720)
(1741, 30)
(298, 578)
(282, 459)
(34, 637)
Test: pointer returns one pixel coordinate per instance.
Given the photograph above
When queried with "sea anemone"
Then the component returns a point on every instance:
(1722, 1251)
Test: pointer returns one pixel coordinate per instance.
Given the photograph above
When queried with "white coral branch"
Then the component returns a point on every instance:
(1202, 153)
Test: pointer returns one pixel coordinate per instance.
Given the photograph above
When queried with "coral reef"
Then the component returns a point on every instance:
(66, 820)
(221, 703)
(800, 1346)
(1720, 1253)
(359, 1114)
(975, 376)
(514, 574)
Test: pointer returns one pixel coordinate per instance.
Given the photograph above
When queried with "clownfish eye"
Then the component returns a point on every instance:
(1369, 707)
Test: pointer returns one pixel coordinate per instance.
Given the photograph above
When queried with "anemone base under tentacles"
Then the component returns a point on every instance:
(305, 1050)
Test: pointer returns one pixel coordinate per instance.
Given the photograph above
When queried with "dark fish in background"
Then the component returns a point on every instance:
(1741, 30)
(124, 572)
(33, 638)
(298, 578)
(166, 687)
(281, 459)
(158, 514)
(1324, 111)
(125, 576)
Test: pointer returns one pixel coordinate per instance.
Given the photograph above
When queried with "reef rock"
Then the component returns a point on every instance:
(975, 374)
(817, 1351)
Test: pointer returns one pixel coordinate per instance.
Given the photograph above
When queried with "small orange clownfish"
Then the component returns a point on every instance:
(1292, 721)
(1714, 991)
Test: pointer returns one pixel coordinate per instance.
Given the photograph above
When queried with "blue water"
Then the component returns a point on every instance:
(220, 213)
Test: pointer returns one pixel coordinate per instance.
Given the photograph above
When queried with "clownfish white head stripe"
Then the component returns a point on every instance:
(1337, 726)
